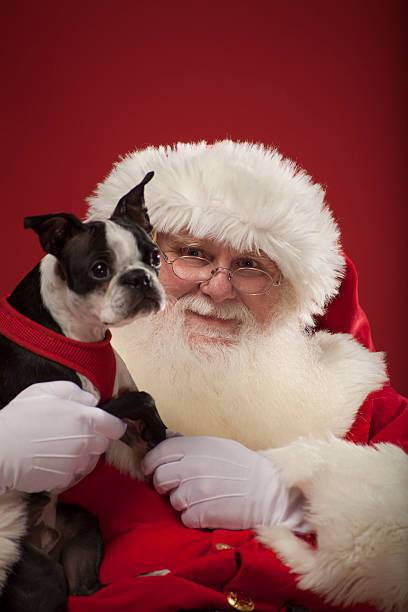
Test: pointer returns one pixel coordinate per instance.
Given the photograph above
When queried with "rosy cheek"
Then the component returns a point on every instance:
(259, 306)
(172, 285)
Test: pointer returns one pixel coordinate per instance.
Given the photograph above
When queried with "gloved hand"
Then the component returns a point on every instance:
(218, 483)
(49, 433)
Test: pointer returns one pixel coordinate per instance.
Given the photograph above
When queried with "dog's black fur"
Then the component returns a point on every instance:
(41, 582)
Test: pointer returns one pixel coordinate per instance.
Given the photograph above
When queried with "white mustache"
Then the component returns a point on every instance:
(199, 305)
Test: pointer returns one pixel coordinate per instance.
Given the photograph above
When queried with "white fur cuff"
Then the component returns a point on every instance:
(358, 502)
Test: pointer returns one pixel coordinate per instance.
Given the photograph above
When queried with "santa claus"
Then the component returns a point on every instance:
(288, 429)
(283, 482)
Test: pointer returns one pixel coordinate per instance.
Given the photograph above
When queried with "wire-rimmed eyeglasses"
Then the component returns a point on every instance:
(250, 281)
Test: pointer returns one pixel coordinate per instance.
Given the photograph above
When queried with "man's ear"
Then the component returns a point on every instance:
(54, 230)
(132, 205)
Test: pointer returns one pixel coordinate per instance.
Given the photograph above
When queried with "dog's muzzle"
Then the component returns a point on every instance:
(144, 292)
(137, 279)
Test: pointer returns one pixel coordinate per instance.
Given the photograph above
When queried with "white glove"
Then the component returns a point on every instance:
(218, 483)
(49, 433)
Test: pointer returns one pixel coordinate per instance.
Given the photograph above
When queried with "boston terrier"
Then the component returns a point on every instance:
(55, 326)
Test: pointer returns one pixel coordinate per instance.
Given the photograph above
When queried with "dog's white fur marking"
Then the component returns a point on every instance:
(119, 454)
(13, 521)
(127, 257)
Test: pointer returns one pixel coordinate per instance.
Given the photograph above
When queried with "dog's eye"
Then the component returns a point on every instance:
(100, 270)
(155, 260)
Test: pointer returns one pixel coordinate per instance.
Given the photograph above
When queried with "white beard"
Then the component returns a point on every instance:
(264, 389)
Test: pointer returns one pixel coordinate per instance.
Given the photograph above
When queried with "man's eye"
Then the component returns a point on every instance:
(245, 262)
(100, 270)
(193, 252)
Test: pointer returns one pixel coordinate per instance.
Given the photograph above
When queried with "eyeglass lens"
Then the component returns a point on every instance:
(197, 269)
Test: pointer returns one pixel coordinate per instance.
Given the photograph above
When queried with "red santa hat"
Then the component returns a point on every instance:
(244, 194)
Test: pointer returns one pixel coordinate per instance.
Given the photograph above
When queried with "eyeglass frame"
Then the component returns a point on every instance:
(214, 271)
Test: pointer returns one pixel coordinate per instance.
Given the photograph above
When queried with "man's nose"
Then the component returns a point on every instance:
(219, 287)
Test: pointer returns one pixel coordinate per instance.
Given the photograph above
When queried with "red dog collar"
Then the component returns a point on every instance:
(95, 360)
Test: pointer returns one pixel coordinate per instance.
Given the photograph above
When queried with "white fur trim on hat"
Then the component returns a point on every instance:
(245, 194)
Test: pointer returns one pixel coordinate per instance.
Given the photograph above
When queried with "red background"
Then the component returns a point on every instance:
(324, 81)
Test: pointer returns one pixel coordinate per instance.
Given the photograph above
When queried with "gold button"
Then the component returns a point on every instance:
(221, 546)
(240, 601)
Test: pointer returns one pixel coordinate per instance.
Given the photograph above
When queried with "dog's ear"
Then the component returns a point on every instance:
(132, 205)
(54, 230)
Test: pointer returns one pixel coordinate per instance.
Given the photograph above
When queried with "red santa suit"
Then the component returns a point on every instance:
(338, 434)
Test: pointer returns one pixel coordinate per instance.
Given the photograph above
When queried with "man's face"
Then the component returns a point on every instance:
(214, 310)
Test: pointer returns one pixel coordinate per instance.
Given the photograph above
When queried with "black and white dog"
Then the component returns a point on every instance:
(95, 275)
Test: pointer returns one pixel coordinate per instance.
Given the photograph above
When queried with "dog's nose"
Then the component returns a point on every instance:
(139, 279)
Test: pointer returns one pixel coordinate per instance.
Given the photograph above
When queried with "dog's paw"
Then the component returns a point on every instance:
(139, 411)
(144, 430)
(148, 426)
